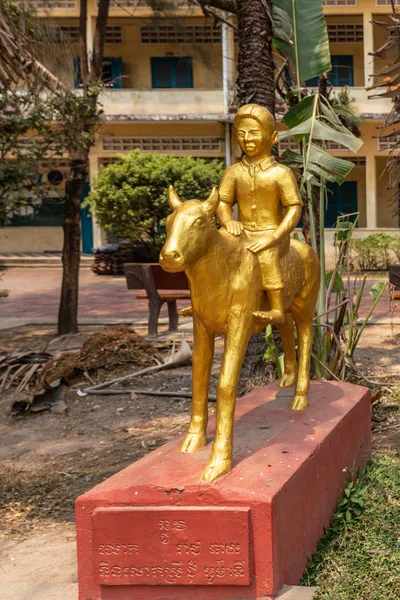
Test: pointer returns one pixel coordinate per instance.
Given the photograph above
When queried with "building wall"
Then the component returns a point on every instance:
(138, 98)
(31, 239)
(356, 49)
(163, 130)
(136, 56)
(387, 213)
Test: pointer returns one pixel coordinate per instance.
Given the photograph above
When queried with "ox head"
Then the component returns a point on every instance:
(190, 230)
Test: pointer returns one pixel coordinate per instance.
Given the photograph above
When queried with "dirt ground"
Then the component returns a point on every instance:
(47, 459)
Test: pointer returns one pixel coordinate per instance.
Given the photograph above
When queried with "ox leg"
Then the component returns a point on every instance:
(286, 332)
(304, 340)
(236, 339)
(203, 354)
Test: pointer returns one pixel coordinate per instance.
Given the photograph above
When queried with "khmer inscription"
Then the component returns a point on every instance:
(171, 546)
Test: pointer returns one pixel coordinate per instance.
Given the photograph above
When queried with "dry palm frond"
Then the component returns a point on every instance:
(386, 84)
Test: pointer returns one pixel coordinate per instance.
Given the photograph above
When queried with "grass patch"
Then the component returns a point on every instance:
(359, 556)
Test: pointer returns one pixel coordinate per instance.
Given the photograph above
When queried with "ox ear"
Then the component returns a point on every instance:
(212, 202)
(173, 199)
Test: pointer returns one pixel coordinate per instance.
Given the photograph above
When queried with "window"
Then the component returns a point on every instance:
(172, 72)
(187, 34)
(113, 34)
(342, 72)
(345, 32)
(341, 199)
(161, 144)
(388, 143)
(43, 213)
(340, 2)
(70, 33)
(334, 146)
(118, 4)
(288, 144)
(359, 161)
(54, 4)
(111, 76)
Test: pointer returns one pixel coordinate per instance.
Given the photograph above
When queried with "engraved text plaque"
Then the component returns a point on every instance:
(171, 546)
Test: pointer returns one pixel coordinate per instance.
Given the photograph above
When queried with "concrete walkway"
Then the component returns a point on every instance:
(54, 591)
(34, 296)
(45, 591)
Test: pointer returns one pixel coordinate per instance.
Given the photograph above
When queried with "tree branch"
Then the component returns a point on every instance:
(99, 39)
(17, 56)
(225, 5)
(84, 63)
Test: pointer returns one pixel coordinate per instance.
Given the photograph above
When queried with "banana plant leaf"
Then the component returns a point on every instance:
(301, 33)
(320, 131)
(321, 165)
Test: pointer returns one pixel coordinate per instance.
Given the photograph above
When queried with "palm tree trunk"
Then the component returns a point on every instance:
(256, 78)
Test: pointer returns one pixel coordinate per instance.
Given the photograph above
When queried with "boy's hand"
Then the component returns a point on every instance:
(262, 244)
(234, 227)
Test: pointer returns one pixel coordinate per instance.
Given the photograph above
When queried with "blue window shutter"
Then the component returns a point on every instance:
(312, 83)
(184, 73)
(77, 72)
(342, 70)
(342, 200)
(171, 72)
(349, 198)
(116, 72)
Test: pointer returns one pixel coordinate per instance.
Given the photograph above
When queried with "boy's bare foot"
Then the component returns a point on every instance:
(270, 316)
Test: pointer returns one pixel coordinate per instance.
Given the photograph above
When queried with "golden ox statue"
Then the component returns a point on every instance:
(226, 289)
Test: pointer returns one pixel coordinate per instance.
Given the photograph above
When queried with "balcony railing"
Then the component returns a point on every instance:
(50, 5)
(339, 2)
(116, 4)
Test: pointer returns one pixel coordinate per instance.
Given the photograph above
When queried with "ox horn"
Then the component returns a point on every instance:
(173, 199)
(211, 204)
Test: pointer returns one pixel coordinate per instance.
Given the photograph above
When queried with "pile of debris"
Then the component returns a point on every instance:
(35, 377)
(20, 369)
(108, 349)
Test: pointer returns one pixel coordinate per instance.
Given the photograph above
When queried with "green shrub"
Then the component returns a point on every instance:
(395, 247)
(373, 252)
(129, 196)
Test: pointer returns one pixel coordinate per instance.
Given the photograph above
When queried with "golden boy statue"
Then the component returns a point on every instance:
(268, 199)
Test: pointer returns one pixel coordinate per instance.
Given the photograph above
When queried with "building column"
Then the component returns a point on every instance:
(368, 29)
(371, 191)
(90, 29)
(228, 62)
(97, 231)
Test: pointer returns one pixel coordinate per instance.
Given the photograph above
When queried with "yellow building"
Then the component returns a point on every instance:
(170, 81)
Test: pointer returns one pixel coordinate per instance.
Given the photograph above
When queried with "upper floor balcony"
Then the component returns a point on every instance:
(124, 8)
(203, 104)
(162, 104)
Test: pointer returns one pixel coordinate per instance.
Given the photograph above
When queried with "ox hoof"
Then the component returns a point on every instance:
(186, 312)
(300, 402)
(193, 442)
(217, 467)
(287, 380)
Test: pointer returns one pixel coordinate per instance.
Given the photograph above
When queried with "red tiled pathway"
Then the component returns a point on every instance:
(34, 293)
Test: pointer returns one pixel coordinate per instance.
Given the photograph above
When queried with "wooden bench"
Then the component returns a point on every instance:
(152, 278)
(394, 279)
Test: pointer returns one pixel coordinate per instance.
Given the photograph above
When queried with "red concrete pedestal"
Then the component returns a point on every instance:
(155, 531)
